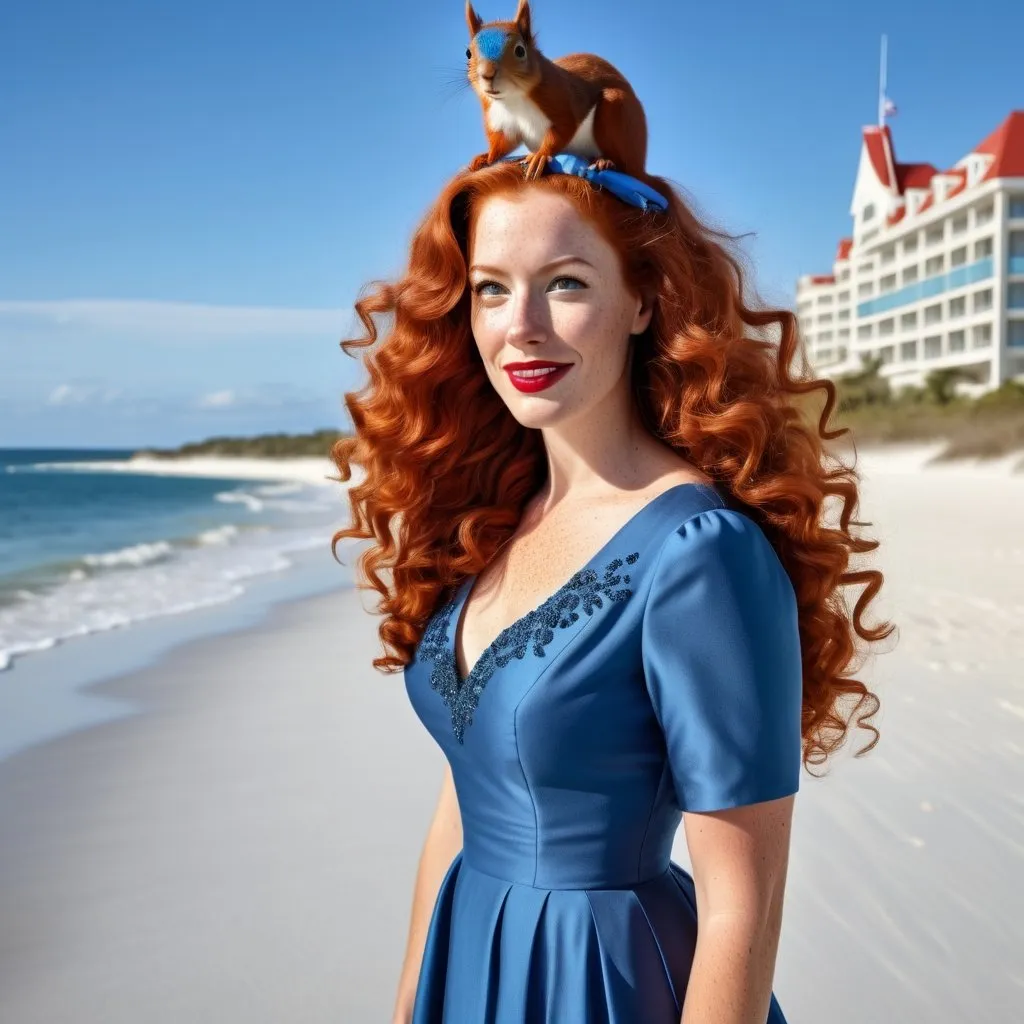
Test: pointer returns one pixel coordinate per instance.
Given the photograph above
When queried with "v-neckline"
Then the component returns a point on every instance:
(461, 597)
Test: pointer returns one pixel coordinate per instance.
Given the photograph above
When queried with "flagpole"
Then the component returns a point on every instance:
(881, 86)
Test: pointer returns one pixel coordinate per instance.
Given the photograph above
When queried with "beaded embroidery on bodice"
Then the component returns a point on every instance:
(583, 591)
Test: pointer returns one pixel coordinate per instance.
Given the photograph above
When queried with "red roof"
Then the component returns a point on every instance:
(879, 143)
(896, 216)
(843, 253)
(914, 176)
(1006, 144)
(823, 279)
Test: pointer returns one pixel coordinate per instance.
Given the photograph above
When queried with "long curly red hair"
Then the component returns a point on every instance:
(448, 469)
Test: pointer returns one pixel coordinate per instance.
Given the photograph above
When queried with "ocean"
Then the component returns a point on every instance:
(86, 546)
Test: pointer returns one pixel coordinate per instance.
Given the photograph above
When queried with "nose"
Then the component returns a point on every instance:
(529, 319)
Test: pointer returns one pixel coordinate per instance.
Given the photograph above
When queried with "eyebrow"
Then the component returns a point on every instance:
(547, 266)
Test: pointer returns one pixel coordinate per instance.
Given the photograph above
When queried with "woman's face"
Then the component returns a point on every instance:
(547, 290)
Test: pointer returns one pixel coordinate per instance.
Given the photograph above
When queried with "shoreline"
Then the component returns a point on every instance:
(66, 670)
(50, 693)
(303, 469)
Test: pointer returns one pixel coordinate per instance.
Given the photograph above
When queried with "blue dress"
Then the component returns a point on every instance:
(664, 676)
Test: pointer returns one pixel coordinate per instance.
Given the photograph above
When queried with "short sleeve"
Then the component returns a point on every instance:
(722, 663)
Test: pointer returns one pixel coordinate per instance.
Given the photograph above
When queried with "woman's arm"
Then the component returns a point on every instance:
(443, 842)
(739, 859)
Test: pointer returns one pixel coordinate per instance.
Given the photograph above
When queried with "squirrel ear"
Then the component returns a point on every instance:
(472, 19)
(523, 19)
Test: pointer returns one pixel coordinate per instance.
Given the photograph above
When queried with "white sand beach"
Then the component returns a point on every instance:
(244, 849)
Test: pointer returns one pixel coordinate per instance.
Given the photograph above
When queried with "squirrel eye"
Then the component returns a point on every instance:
(469, 53)
(520, 51)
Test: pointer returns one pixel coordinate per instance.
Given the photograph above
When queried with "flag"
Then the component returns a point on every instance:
(888, 107)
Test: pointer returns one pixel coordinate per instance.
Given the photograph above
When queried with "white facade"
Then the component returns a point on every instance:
(933, 275)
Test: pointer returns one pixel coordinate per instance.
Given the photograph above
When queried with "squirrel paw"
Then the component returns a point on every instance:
(480, 160)
(603, 164)
(536, 166)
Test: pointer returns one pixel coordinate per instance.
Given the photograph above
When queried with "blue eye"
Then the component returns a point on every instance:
(484, 284)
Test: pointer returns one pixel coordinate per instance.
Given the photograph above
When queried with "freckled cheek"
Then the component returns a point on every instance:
(576, 321)
(570, 322)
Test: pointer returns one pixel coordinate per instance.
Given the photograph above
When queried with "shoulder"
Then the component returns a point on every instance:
(717, 551)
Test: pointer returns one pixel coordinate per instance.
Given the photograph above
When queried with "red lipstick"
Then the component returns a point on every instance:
(536, 374)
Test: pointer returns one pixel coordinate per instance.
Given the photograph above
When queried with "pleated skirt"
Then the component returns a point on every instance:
(500, 952)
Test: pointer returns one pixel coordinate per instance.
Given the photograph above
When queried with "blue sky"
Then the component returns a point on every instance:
(192, 196)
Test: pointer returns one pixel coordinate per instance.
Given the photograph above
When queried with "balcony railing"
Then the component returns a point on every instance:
(931, 286)
(1016, 265)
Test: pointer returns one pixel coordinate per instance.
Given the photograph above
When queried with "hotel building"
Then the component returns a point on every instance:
(933, 275)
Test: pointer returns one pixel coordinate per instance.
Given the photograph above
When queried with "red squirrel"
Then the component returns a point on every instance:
(576, 104)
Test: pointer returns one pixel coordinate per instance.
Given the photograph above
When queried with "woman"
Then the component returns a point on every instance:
(611, 595)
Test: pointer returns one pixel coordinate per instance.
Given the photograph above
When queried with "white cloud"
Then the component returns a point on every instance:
(71, 394)
(181, 319)
(217, 400)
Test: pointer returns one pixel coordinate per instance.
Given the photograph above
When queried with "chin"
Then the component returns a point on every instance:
(536, 411)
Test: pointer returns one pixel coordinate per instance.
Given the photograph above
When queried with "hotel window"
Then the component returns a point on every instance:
(958, 257)
(981, 336)
(982, 248)
(869, 236)
(982, 300)
(843, 297)
(843, 332)
(1017, 207)
(910, 243)
(910, 274)
(885, 353)
(934, 235)
(1015, 295)
(908, 351)
(935, 265)
(886, 327)
(956, 341)
(825, 336)
(863, 332)
(865, 289)
(843, 314)
(958, 306)
(888, 254)
(932, 347)
(824, 300)
(824, 318)
(888, 283)
(960, 225)
(844, 275)
(983, 216)
(933, 314)
(1016, 336)
(868, 212)
(865, 268)
(908, 321)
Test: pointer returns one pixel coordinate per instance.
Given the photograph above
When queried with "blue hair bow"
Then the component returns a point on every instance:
(627, 188)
